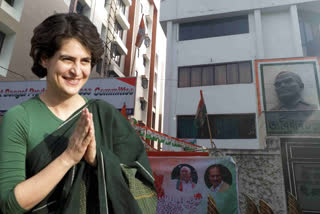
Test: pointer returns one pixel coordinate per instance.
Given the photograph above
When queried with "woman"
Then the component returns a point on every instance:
(62, 153)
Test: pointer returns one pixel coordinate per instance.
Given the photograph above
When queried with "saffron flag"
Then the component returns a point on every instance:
(141, 33)
(124, 111)
(200, 117)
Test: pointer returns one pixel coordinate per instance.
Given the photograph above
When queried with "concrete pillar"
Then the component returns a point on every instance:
(259, 35)
(169, 100)
(296, 36)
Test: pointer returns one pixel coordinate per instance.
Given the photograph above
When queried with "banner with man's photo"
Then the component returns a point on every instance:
(195, 184)
(290, 95)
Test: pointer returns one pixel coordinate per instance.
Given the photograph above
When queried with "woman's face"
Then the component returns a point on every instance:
(68, 69)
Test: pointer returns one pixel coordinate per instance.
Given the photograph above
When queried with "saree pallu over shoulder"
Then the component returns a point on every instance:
(108, 188)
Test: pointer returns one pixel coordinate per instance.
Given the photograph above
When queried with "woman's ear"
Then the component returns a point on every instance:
(44, 61)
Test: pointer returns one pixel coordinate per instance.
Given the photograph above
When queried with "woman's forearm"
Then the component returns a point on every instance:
(33, 190)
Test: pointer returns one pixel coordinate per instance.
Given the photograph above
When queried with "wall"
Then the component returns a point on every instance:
(161, 73)
(184, 101)
(260, 175)
(32, 15)
(182, 9)
(277, 34)
(9, 25)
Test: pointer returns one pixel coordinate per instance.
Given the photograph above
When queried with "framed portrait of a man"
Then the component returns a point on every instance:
(290, 95)
(290, 86)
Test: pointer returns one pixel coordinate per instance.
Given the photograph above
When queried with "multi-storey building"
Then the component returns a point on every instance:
(10, 16)
(218, 47)
(147, 63)
(118, 23)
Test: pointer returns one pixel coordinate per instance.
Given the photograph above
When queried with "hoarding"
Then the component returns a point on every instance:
(188, 184)
(115, 91)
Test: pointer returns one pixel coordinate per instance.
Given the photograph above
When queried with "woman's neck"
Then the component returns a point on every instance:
(62, 107)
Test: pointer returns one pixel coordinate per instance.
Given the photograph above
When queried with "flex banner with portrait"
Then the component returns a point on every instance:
(189, 184)
(290, 95)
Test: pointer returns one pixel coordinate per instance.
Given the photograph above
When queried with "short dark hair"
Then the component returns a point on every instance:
(294, 75)
(224, 172)
(48, 36)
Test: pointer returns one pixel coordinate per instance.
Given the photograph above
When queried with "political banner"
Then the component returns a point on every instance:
(115, 91)
(188, 185)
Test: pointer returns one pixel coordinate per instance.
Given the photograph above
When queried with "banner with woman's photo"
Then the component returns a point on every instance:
(195, 184)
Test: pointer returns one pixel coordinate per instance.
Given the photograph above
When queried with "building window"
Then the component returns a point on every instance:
(118, 29)
(219, 74)
(153, 125)
(80, 7)
(213, 28)
(10, 2)
(106, 2)
(2, 37)
(122, 6)
(154, 99)
(144, 62)
(310, 33)
(99, 66)
(160, 123)
(235, 126)
(115, 55)
(104, 33)
(155, 80)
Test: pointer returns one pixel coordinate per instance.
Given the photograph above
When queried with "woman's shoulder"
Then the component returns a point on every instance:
(21, 111)
(15, 122)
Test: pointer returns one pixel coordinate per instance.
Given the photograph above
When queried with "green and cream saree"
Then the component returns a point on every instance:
(121, 183)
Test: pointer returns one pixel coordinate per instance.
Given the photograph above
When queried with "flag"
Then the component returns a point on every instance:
(124, 111)
(200, 117)
(141, 33)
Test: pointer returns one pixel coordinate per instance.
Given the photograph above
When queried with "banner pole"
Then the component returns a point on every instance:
(213, 145)
(134, 61)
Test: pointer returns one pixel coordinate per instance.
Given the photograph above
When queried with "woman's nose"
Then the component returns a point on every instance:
(76, 68)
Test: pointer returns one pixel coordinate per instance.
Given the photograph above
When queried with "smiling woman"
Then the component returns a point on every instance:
(59, 151)
(67, 70)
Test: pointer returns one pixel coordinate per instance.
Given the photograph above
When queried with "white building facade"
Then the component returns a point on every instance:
(147, 63)
(221, 62)
(118, 22)
(224, 48)
(10, 14)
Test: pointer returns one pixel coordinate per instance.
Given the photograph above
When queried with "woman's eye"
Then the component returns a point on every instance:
(86, 61)
(66, 59)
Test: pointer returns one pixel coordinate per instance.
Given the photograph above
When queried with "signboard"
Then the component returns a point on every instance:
(301, 170)
(290, 95)
(184, 184)
(115, 91)
(293, 123)
(307, 180)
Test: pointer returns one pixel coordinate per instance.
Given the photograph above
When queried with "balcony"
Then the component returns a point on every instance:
(127, 2)
(122, 20)
(149, 18)
(13, 8)
(120, 45)
(114, 68)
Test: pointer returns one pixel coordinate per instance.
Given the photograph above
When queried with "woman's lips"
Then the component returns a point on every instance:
(72, 81)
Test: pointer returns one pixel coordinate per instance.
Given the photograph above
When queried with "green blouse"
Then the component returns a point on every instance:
(22, 128)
